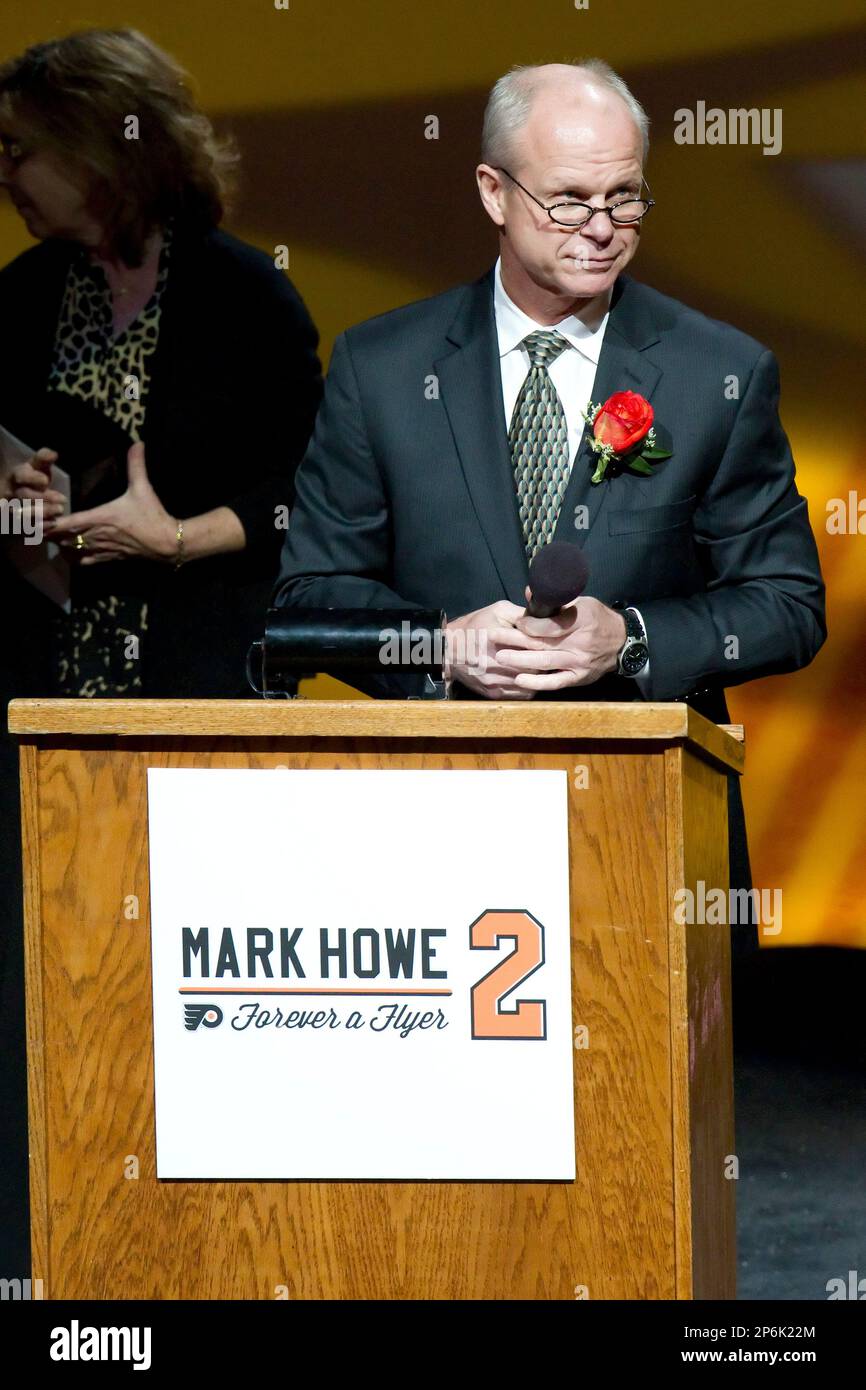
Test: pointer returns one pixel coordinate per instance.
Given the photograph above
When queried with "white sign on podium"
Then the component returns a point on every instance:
(361, 974)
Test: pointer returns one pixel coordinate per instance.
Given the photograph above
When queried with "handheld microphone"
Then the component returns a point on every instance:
(557, 575)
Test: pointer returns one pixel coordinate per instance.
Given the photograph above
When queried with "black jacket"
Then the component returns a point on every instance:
(407, 495)
(235, 385)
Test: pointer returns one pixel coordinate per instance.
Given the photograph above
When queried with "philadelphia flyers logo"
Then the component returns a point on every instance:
(208, 1015)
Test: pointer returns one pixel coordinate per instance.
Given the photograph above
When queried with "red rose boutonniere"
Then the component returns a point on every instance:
(623, 434)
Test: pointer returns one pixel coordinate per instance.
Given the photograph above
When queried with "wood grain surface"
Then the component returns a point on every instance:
(378, 719)
(701, 1039)
(643, 1219)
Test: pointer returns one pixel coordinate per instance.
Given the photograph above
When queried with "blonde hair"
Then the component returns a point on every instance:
(78, 93)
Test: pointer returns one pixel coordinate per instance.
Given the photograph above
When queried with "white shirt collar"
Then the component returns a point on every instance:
(512, 325)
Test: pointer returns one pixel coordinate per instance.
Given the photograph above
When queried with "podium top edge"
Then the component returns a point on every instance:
(353, 719)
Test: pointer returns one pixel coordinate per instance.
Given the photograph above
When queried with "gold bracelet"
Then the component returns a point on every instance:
(181, 555)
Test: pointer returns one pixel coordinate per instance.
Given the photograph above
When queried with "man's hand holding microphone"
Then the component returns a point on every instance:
(560, 639)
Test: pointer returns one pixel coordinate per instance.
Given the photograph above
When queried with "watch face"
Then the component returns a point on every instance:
(635, 658)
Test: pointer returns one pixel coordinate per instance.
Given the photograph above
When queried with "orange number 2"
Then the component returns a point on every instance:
(489, 1019)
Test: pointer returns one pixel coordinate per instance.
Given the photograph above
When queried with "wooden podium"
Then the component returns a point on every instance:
(651, 1214)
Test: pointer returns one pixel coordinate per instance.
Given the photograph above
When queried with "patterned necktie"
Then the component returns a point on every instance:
(538, 439)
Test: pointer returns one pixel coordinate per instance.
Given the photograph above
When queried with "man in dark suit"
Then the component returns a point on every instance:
(451, 446)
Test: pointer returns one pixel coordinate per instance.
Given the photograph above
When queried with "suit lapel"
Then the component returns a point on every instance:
(470, 387)
(622, 366)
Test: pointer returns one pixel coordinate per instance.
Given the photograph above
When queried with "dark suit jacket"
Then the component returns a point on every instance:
(407, 496)
(235, 384)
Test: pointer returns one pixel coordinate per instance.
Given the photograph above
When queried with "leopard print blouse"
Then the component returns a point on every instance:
(111, 373)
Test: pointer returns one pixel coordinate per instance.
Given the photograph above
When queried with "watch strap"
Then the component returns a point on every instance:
(634, 632)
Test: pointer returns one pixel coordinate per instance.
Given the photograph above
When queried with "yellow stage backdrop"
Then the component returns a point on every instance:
(328, 99)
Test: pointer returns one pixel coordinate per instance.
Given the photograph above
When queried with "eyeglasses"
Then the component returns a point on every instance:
(572, 214)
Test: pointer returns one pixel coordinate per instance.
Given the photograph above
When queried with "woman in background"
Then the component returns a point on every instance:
(172, 372)
(169, 368)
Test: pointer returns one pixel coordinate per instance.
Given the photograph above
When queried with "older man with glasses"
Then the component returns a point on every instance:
(558, 398)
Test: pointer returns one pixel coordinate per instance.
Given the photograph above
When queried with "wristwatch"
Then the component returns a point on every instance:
(634, 653)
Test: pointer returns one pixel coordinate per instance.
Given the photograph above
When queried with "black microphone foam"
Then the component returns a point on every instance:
(557, 575)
